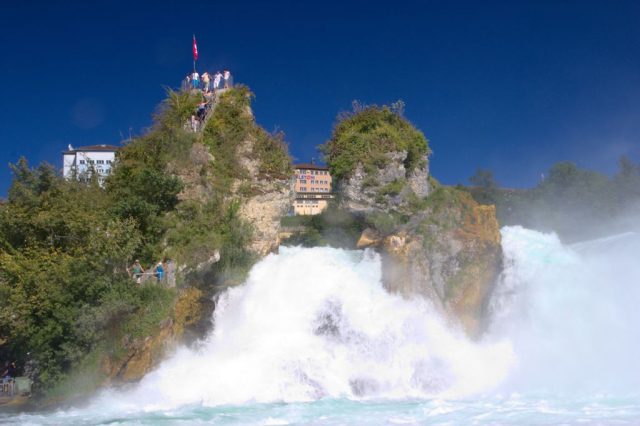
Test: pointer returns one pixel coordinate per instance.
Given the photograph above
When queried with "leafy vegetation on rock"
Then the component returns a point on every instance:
(66, 299)
(232, 129)
(63, 281)
(367, 134)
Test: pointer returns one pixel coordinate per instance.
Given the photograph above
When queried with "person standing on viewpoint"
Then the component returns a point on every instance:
(227, 79)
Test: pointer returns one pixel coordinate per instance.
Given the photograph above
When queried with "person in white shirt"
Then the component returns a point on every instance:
(206, 79)
(195, 78)
(217, 78)
(227, 79)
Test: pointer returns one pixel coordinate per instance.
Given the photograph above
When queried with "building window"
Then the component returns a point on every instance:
(81, 161)
(100, 161)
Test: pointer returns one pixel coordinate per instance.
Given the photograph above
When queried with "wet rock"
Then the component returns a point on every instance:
(369, 238)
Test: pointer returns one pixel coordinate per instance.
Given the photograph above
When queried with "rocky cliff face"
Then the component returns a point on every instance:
(366, 191)
(267, 199)
(441, 244)
(451, 255)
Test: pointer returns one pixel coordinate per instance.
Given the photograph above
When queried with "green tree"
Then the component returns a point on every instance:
(486, 187)
(367, 134)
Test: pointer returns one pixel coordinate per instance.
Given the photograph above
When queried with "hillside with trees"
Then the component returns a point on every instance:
(69, 311)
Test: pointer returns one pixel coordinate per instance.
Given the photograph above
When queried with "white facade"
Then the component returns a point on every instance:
(80, 163)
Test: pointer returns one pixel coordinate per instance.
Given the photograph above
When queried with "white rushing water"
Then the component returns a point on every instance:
(313, 337)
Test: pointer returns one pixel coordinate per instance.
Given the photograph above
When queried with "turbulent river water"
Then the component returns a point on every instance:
(312, 337)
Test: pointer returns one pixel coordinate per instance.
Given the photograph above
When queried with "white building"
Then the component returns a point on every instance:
(80, 163)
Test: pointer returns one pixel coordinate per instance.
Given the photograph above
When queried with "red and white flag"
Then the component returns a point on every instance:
(195, 49)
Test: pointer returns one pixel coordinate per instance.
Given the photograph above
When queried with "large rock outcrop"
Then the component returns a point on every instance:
(435, 241)
(450, 255)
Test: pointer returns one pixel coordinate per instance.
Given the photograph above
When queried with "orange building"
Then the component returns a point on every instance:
(313, 189)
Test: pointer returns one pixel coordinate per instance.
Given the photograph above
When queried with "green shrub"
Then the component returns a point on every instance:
(393, 188)
(386, 223)
(367, 134)
(231, 124)
(272, 152)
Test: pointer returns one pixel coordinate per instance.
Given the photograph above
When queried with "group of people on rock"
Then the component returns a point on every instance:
(206, 82)
(136, 271)
(208, 85)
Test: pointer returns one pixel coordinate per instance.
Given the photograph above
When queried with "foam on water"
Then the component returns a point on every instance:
(317, 323)
(313, 336)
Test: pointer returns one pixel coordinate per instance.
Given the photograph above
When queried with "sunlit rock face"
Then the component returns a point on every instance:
(454, 266)
(361, 191)
(446, 246)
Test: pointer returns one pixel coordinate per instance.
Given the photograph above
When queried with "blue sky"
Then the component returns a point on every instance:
(513, 86)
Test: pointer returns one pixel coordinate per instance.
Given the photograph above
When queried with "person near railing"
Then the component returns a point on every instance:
(228, 80)
(137, 271)
(217, 79)
(206, 79)
(159, 271)
(186, 83)
(195, 79)
(8, 378)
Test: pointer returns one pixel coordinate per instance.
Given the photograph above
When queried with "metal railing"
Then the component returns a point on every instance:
(15, 386)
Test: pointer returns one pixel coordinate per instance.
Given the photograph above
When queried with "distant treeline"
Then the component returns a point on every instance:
(575, 203)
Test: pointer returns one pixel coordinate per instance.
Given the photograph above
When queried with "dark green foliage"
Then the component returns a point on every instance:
(65, 294)
(272, 150)
(63, 253)
(333, 227)
(196, 230)
(368, 133)
(140, 188)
